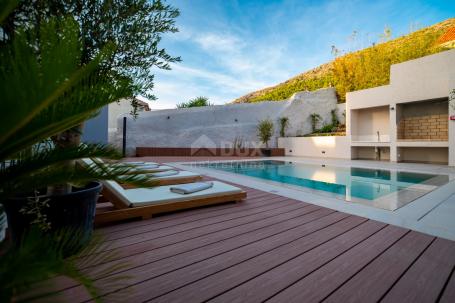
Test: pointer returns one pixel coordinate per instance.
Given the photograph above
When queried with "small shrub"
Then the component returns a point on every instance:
(327, 128)
(196, 102)
(315, 118)
(265, 131)
(334, 117)
(284, 123)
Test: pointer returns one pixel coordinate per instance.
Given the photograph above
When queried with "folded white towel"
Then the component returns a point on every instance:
(190, 188)
(164, 174)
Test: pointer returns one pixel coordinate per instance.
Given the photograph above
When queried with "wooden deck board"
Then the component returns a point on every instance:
(262, 206)
(425, 280)
(373, 281)
(260, 228)
(448, 295)
(272, 282)
(120, 239)
(269, 248)
(320, 283)
(166, 283)
(177, 235)
(191, 214)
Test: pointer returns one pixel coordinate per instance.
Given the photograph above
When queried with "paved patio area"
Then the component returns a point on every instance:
(268, 248)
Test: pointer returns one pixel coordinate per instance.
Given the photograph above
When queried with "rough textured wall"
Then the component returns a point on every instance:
(426, 127)
(220, 126)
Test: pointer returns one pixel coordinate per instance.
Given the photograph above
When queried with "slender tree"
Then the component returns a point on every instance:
(135, 27)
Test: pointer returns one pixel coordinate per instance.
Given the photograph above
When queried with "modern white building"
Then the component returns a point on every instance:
(409, 120)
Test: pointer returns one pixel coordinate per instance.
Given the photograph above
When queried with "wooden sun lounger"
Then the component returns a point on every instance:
(145, 202)
(181, 178)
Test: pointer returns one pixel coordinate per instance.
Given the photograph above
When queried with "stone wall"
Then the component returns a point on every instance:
(429, 127)
(223, 125)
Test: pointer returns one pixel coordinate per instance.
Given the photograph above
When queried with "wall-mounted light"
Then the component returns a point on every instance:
(236, 120)
(392, 108)
(168, 117)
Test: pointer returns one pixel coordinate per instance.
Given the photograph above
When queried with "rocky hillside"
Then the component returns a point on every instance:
(362, 69)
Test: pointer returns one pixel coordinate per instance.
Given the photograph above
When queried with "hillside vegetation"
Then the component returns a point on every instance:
(362, 69)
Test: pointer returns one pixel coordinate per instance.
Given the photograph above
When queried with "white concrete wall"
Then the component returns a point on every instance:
(426, 78)
(423, 154)
(368, 122)
(320, 147)
(117, 110)
(219, 126)
(452, 125)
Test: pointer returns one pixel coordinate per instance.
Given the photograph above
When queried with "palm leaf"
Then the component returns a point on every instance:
(49, 167)
(54, 93)
(54, 156)
(27, 272)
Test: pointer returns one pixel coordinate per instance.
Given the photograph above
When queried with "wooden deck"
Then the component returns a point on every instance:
(268, 248)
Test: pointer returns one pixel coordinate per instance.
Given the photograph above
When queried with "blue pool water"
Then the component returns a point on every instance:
(349, 182)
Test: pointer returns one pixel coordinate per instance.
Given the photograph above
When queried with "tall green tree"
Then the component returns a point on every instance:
(134, 26)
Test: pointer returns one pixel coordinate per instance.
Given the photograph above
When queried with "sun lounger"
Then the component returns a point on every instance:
(170, 177)
(145, 202)
(146, 167)
(138, 162)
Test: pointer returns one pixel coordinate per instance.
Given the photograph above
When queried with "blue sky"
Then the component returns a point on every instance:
(232, 47)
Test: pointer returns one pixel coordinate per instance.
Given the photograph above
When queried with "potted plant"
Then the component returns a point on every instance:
(59, 95)
(265, 131)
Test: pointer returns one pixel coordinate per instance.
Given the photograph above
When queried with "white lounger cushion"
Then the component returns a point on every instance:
(172, 174)
(89, 161)
(166, 173)
(153, 168)
(162, 194)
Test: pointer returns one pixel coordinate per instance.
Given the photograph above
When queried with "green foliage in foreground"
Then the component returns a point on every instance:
(45, 92)
(196, 102)
(39, 257)
(362, 69)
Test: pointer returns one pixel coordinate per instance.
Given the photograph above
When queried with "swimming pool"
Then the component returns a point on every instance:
(387, 189)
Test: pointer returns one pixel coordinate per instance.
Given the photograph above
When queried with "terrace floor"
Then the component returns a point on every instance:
(268, 248)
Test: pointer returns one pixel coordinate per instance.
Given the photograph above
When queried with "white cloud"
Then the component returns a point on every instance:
(219, 42)
(241, 65)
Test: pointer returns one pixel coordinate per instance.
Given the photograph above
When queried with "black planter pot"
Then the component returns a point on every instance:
(72, 212)
(266, 152)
